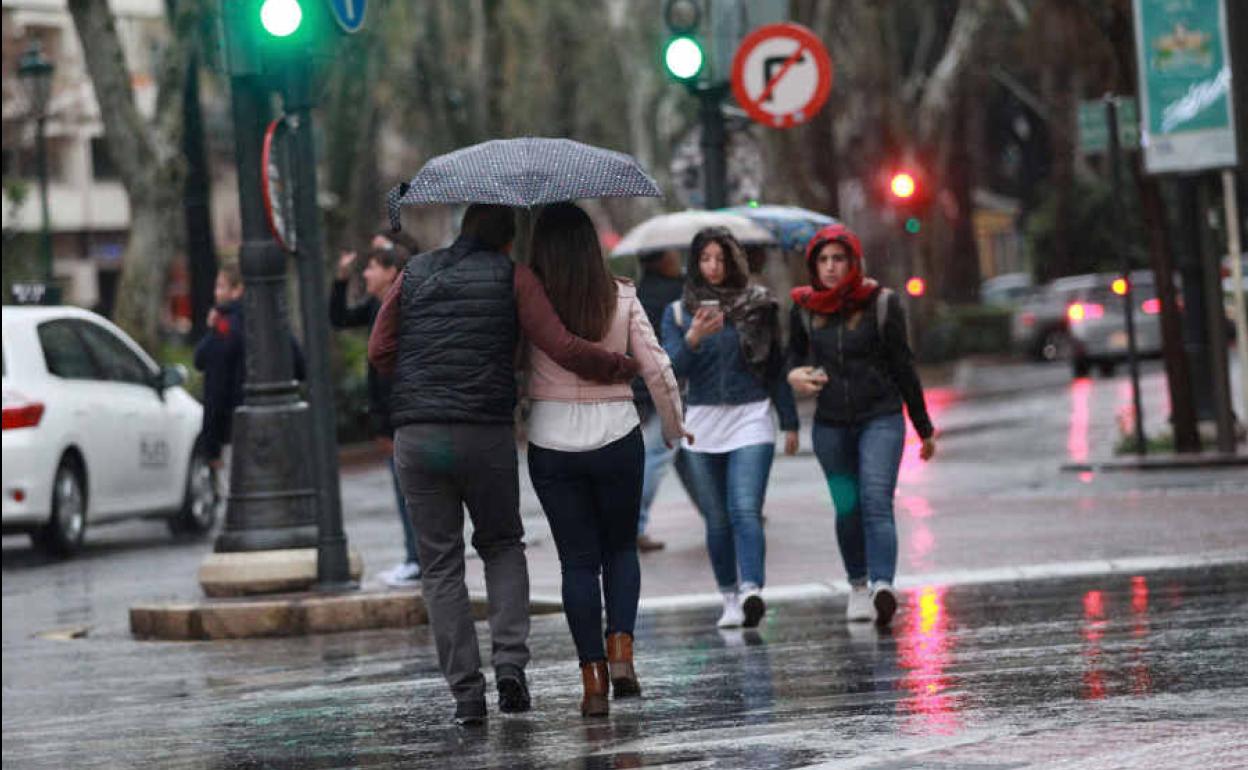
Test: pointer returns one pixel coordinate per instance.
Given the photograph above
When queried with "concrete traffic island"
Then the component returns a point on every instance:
(294, 614)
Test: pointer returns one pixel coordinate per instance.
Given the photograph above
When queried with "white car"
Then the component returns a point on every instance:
(95, 431)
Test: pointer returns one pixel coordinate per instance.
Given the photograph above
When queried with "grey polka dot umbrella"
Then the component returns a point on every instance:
(523, 172)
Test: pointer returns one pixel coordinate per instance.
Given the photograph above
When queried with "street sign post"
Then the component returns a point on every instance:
(1185, 85)
(276, 189)
(781, 75)
(1094, 128)
(348, 13)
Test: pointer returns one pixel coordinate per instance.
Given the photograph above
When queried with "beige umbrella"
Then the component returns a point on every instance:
(676, 231)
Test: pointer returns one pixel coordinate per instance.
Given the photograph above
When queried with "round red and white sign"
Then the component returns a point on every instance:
(781, 75)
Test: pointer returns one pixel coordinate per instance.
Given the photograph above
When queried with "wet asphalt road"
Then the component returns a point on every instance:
(1128, 671)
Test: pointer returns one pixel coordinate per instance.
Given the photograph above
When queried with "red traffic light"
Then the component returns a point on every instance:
(916, 286)
(902, 185)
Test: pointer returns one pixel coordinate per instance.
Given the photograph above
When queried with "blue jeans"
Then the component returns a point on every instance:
(728, 488)
(591, 500)
(409, 529)
(860, 462)
(658, 457)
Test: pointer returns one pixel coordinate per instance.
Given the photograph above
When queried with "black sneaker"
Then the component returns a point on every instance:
(885, 600)
(470, 713)
(513, 690)
(753, 607)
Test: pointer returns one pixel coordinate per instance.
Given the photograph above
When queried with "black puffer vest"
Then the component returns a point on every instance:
(457, 338)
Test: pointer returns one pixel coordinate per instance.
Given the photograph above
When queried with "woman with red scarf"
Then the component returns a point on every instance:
(848, 345)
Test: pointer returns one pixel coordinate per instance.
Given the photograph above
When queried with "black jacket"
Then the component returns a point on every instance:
(655, 292)
(457, 338)
(344, 316)
(870, 370)
(220, 356)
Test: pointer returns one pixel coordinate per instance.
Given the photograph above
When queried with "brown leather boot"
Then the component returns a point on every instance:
(620, 663)
(594, 680)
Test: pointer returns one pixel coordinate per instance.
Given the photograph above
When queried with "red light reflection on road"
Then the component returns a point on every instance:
(1141, 674)
(938, 400)
(919, 539)
(1093, 632)
(924, 651)
(1077, 435)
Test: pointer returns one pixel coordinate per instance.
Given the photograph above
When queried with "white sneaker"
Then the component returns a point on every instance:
(860, 608)
(885, 600)
(752, 605)
(733, 617)
(402, 575)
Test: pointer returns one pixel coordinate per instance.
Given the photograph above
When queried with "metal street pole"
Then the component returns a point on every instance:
(1215, 323)
(714, 153)
(332, 561)
(45, 235)
(1235, 249)
(1124, 256)
(272, 502)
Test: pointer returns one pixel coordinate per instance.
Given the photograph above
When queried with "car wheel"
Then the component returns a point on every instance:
(198, 513)
(1106, 368)
(1080, 367)
(64, 532)
(1055, 345)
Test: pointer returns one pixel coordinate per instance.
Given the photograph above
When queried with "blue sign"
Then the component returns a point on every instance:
(348, 13)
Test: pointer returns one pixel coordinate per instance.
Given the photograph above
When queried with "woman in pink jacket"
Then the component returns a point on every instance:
(585, 448)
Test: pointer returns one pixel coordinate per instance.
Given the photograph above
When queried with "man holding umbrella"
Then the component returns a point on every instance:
(449, 331)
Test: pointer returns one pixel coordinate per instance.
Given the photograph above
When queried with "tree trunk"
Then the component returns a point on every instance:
(148, 158)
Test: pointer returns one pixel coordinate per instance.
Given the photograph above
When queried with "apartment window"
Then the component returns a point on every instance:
(103, 168)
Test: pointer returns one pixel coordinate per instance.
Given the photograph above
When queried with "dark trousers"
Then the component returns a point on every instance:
(591, 500)
(444, 467)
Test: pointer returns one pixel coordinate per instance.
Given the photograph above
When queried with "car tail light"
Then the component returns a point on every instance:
(1084, 311)
(1028, 319)
(21, 412)
(1151, 306)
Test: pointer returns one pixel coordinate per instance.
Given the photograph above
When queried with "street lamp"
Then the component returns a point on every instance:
(35, 74)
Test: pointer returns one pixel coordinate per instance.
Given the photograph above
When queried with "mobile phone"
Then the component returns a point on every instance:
(713, 304)
(820, 372)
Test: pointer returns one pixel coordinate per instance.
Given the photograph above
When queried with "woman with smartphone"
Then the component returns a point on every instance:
(848, 345)
(723, 336)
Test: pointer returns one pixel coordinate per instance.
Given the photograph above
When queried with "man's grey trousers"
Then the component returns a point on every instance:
(442, 468)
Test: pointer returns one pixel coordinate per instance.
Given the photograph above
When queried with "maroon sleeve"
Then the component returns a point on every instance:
(383, 341)
(541, 324)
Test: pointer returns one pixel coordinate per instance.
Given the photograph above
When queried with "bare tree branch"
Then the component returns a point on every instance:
(937, 99)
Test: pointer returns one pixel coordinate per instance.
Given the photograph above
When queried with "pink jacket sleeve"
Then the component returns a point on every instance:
(656, 369)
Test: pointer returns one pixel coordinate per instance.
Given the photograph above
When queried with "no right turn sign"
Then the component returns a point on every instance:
(781, 75)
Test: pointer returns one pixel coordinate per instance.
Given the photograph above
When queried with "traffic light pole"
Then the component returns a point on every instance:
(332, 561)
(714, 144)
(1128, 298)
(272, 501)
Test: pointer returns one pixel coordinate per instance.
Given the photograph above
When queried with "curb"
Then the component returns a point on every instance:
(1161, 462)
(953, 578)
(295, 614)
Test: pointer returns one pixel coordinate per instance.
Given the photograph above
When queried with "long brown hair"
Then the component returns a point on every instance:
(569, 262)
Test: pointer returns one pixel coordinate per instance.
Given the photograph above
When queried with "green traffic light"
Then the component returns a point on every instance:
(683, 57)
(913, 225)
(281, 18)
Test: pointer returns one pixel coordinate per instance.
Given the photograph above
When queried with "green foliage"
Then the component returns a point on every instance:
(960, 330)
(180, 353)
(351, 387)
(1095, 239)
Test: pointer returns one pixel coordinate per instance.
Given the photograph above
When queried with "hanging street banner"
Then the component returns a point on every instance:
(1185, 85)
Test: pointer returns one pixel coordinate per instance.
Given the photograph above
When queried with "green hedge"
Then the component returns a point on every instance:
(960, 330)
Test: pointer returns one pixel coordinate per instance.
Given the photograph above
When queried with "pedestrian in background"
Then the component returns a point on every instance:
(848, 344)
(723, 335)
(448, 333)
(586, 450)
(220, 356)
(382, 266)
(661, 285)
